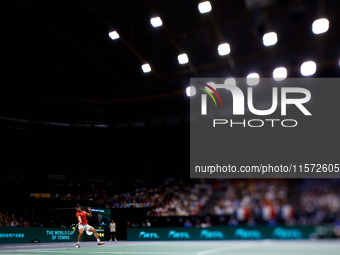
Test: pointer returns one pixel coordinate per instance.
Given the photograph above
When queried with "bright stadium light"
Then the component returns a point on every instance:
(269, 39)
(230, 81)
(204, 7)
(223, 49)
(253, 79)
(114, 35)
(320, 26)
(308, 68)
(146, 68)
(183, 58)
(191, 91)
(280, 73)
(156, 22)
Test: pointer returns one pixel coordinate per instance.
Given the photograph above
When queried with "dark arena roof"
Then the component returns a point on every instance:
(60, 65)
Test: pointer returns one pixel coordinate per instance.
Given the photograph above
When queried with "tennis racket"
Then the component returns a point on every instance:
(74, 227)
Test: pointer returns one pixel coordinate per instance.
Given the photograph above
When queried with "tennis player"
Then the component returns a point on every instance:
(84, 225)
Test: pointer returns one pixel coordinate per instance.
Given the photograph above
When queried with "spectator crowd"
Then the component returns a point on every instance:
(7, 220)
(303, 202)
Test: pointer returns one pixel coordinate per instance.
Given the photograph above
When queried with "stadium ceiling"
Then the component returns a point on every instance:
(61, 51)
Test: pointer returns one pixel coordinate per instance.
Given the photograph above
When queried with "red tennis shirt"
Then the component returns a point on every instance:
(83, 216)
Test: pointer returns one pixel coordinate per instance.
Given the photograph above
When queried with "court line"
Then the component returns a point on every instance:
(224, 248)
(206, 252)
(36, 247)
(102, 252)
(27, 246)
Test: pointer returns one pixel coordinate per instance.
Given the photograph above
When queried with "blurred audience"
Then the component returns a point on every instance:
(187, 224)
(298, 202)
(10, 221)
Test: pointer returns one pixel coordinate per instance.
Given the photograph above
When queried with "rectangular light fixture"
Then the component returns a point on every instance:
(308, 68)
(230, 81)
(204, 7)
(253, 79)
(146, 68)
(183, 58)
(223, 49)
(280, 73)
(269, 39)
(156, 22)
(114, 35)
(320, 26)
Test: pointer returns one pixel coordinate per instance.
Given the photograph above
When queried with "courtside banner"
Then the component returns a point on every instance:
(220, 233)
(32, 235)
(264, 128)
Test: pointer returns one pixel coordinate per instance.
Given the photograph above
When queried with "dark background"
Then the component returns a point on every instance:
(70, 95)
(74, 101)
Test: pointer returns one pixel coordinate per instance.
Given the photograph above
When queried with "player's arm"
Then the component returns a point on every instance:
(90, 212)
(79, 219)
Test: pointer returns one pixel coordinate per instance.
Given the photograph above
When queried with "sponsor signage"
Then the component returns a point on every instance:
(219, 233)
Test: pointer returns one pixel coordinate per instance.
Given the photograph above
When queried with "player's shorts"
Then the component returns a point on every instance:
(113, 232)
(84, 227)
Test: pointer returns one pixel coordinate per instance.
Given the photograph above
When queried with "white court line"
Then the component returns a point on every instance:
(138, 252)
(19, 253)
(56, 245)
(27, 246)
(111, 252)
(206, 252)
(224, 248)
